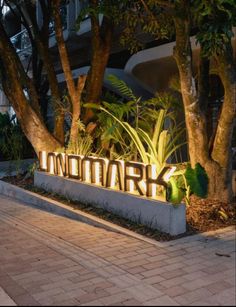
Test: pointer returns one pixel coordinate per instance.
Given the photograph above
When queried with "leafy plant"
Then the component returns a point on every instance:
(175, 193)
(151, 151)
(32, 168)
(83, 144)
(215, 20)
(135, 129)
(187, 181)
(197, 179)
(13, 144)
(142, 130)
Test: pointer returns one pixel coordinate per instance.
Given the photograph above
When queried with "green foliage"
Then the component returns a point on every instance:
(215, 20)
(136, 129)
(32, 168)
(83, 146)
(107, 8)
(187, 181)
(197, 179)
(13, 144)
(110, 138)
(133, 17)
(154, 151)
(144, 16)
(122, 87)
(175, 191)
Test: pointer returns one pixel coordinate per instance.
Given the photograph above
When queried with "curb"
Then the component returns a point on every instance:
(56, 207)
(5, 299)
(10, 168)
(59, 208)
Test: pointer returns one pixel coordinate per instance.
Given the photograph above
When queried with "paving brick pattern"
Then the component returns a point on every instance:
(47, 259)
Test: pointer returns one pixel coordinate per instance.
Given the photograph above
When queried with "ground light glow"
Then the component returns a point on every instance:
(132, 177)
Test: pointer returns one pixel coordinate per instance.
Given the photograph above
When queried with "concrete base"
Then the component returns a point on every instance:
(11, 168)
(154, 214)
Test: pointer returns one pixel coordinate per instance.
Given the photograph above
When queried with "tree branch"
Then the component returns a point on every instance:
(222, 143)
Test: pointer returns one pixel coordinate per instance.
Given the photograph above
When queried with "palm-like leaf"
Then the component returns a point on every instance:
(158, 126)
(133, 134)
(122, 87)
(152, 153)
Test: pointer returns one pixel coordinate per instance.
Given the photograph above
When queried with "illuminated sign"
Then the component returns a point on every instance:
(132, 177)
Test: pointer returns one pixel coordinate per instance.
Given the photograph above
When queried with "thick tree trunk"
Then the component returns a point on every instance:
(41, 39)
(56, 97)
(13, 77)
(222, 151)
(219, 183)
(195, 118)
(31, 124)
(217, 162)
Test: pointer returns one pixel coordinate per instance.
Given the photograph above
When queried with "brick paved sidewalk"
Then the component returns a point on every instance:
(51, 260)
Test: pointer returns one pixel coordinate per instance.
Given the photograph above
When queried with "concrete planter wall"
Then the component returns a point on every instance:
(10, 168)
(155, 214)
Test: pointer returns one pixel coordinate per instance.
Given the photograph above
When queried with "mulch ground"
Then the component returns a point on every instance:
(202, 215)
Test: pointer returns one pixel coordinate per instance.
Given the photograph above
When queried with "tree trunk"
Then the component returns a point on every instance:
(75, 92)
(222, 151)
(95, 80)
(41, 39)
(194, 117)
(31, 124)
(56, 97)
(101, 47)
(216, 163)
(74, 130)
(220, 185)
(13, 78)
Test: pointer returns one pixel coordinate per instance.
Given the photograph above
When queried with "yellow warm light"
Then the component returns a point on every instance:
(131, 182)
(97, 173)
(44, 160)
(113, 176)
(74, 167)
(87, 171)
(51, 165)
(60, 173)
(51, 171)
(167, 175)
(143, 185)
(154, 186)
(114, 173)
(133, 177)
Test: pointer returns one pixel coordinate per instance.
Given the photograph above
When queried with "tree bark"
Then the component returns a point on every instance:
(74, 130)
(195, 118)
(75, 92)
(101, 47)
(222, 151)
(32, 125)
(41, 38)
(217, 162)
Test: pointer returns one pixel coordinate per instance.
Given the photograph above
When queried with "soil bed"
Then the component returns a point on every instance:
(202, 215)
